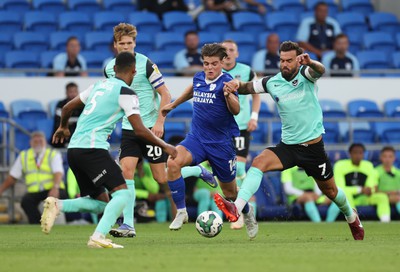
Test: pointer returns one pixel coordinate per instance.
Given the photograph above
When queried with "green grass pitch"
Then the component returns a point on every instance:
(285, 246)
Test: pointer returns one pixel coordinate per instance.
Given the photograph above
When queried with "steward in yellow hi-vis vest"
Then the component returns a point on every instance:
(42, 170)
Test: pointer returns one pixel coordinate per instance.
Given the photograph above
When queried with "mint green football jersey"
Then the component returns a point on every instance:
(388, 181)
(106, 102)
(242, 72)
(147, 79)
(298, 106)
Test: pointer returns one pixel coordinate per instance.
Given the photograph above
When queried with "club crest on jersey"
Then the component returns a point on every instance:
(198, 85)
(212, 87)
(295, 82)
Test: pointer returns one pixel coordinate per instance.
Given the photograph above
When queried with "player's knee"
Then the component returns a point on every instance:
(330, 192)
(173, 167)
(160, 178)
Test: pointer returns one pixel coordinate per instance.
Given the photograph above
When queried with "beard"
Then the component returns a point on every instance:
(288, 74)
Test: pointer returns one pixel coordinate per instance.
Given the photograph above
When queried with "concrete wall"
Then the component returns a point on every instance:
(343, 90)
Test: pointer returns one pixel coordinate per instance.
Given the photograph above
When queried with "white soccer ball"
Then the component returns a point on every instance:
(209, 224)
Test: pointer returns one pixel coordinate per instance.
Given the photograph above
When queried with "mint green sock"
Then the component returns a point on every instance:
(113, 210)
(161, 208)
(203, 198)
(191, 171)
(240, 173)
(250, 184)
(83, 204)
(341, 205)
(312, 211)
(130, 205)
(398, 207)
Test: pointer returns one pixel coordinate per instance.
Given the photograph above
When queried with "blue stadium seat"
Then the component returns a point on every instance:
(276, 132)
(46, 126)
(52, 6)
(31, 41)
(2, 61)
(245, 57)
(3, 111)
(332, 133)
(18, 6)
(395, 58)
(382, 41)
(10, 22)
(21, 139)
(388, 132)
(259, 136)
(164, 59)
(384, 21)
(213, 21)
(262, 39)
(144, 43)
(145, 21)
(372, 59)
(283, 22)
(115, 137)
(249, 22)
(122, 6)
(361, 6)
(178, 21)
(333, 8)
(5, 42)
(253, 8)
(245, 41)
(355, 42)
(265, 112)
(86, 6)
(75, 21)
(364, 108)
(184, 110)
(46, 58)
(95, 59)
(59, 39)
(40, 21)
(22, 59)
(332, 108)
(174, 129)
(392, 108)
(170, 42)
(294, 6)
(106, 20)
(52, 107)
(22, 106)
(98, 41)
(352, 22)
(208, 37)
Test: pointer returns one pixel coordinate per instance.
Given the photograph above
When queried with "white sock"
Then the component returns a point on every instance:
(350, 219)
(240, 203)
(385, 218)
(183, 210)
(98, 235)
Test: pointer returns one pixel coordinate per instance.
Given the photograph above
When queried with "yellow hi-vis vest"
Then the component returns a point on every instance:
(38, 177)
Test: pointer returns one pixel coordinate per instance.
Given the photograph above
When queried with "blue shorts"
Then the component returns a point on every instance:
(222, 157)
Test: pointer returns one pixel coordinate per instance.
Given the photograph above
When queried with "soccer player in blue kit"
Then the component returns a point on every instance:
(294, 91)
(211, 136)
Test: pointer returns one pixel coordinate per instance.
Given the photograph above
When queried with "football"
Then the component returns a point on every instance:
(209, 224)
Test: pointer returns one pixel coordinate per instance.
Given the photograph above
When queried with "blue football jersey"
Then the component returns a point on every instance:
(212, 121)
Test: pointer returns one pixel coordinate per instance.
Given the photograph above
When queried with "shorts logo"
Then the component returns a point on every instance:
(99, 176)
(276, 99)
(295, 82)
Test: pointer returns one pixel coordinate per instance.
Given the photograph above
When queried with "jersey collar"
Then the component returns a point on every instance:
(212, 81)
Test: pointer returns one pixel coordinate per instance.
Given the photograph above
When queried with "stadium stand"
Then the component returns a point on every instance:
(169, 42)
(121, 6)
(86, 6)
(18, 6)
(51, 6)
(392, 108)
(294, 6)
(106, 20)
(245, 41)
(178, 21)
(147, 22)
(21, 59)
(31, 41)
(10, 22)
(381, 41)
(212, 21)
(364, 108)
(144, 43)
(283, 22)
(40, 21)
(74, 21)
(98, 41)
(384, 21)
(59, 39)
(361, 6)
(248, 22)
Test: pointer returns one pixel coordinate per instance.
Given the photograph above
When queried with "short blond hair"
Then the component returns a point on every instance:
(124, 29)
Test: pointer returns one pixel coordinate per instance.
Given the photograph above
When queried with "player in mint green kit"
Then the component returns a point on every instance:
(103, 103)
(247, 117)
(294, 90)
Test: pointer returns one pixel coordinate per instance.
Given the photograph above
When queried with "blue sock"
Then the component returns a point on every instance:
(177, 188)
(250, 184)
(191, 171)
(83, 204)
(240, 173)
(398, 207)
(312, 211)
(130, 205)
(113, 210)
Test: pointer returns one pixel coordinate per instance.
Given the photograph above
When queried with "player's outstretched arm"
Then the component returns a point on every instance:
(144, 133)
(63, 132)
(241, 87)
(185, 96)
(317, 68)
(232, 101)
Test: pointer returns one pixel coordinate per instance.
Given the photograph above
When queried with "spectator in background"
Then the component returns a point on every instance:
(266, 59)
(229, 6)
(340, 59)
(70, 63)
(389, 176)
(42, 170)
(71, 91)
(301, 189)
(358, 178)
(188, 61)
(316, 34)
(162, 6)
